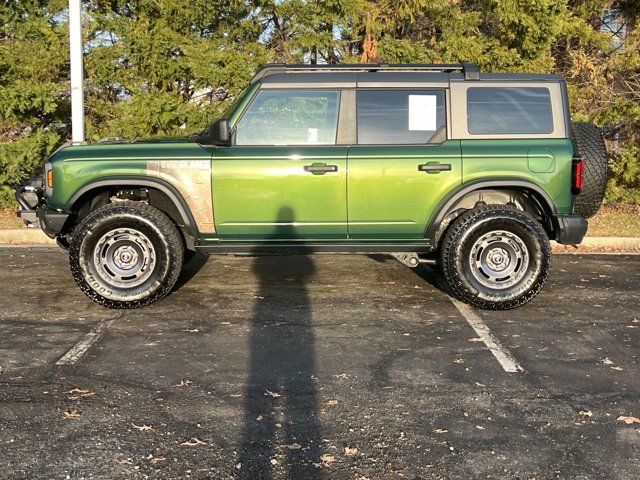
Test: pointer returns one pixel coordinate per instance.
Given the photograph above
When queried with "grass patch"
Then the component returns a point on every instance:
(615, 220)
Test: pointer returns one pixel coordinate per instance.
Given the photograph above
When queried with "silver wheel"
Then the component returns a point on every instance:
(499, 259)
(124, 258)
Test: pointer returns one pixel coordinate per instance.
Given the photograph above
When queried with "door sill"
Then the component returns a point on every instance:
(306, 248)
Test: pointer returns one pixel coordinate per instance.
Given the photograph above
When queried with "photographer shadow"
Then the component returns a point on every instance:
(281, 402)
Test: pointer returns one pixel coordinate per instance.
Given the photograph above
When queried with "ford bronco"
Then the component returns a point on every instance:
(474, 173)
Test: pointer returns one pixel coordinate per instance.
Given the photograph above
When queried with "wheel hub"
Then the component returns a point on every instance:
(499, 259)
(124, 258)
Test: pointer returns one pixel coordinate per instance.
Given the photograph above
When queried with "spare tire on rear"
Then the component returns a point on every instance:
(590, 144)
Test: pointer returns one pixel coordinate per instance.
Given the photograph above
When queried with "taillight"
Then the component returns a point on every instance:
(576, 175)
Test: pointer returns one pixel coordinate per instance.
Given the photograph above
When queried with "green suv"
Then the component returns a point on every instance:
(437, 164)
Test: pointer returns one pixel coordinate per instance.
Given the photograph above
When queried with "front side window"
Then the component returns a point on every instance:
(290, 117)
(509, 110)
(401, 117)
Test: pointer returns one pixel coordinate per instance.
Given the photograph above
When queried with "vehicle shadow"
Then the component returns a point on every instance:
(195, 263)
(281, 402)
(433, 276)
(428, 273)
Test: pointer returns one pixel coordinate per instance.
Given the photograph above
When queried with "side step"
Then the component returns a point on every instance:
(412, 260)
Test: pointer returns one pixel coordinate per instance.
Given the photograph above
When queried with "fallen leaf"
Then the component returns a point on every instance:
(183, 383)
(479, 427)
(332, 402)
(194, 442)
(628, 420)
(477, 339)
(191, 330)
(79, 391)
(142, 428)
(126, 461)
(458, 360)
(274, 461)
(71, 414)
(155, 460)
(294, 446)
(269, 393)
(586, 413)
(326, 458)
(619, 369)
(259, 418)
(607, 361)
(440, 430)
(351, 451)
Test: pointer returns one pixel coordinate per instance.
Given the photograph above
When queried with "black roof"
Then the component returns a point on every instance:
(336, 74)
(470, 70)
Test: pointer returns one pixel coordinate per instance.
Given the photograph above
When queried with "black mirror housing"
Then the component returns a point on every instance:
(220, 133)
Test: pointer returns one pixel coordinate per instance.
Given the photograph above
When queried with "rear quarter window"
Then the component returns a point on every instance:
(509, 110)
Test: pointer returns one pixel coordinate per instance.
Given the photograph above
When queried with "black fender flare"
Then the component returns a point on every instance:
(191, 228)
(433, 234)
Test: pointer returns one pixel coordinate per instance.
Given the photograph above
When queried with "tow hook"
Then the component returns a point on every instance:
(412, 260)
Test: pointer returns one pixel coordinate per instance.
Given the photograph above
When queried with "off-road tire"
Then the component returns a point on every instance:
(590, 144)
(160, 244)
(469, 229)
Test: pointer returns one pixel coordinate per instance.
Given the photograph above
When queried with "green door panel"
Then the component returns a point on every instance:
(265, 192)
(389, 197)
(514, 159)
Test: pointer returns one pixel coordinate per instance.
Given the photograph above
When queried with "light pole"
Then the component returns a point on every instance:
(77, 81)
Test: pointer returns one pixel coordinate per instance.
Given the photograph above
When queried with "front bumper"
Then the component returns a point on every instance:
(34, 210)
(570, 229)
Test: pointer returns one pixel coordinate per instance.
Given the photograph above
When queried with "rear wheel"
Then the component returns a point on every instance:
(495, 257)
(126, 255)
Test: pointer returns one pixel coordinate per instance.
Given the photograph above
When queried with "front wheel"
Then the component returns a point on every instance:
(126, 255)
(495, 257)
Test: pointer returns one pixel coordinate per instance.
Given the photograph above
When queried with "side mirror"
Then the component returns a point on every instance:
(220, 133)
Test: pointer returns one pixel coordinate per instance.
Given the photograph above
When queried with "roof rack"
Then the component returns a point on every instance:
(470, 70)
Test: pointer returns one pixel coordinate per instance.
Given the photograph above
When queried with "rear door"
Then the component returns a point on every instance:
(403, 164)
(284, 177)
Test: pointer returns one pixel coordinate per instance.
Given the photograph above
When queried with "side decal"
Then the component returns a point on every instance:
(192, 178)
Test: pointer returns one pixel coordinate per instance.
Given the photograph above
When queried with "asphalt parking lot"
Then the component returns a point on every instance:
(319, 367)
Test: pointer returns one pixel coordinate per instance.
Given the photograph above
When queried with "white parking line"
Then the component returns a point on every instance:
(504, 356)
(80, 348)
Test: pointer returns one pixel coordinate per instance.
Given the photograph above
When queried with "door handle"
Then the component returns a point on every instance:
(320, 168)
(435, 168)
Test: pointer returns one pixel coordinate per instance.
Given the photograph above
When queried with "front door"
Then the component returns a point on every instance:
(403, 165)
(284, 178)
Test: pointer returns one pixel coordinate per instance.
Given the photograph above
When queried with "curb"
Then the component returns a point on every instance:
(601, 244)
(24, 236)
(35, 236)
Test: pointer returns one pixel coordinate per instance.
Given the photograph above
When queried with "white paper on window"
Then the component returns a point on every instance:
(423, 112)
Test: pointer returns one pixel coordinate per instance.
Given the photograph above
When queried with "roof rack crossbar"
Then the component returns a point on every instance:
(470, 70)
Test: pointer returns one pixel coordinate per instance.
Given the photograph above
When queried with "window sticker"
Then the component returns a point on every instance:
(422, 112)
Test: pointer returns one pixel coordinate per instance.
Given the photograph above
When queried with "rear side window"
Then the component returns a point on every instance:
(290, 117)
(387, 117)
(509, 110)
